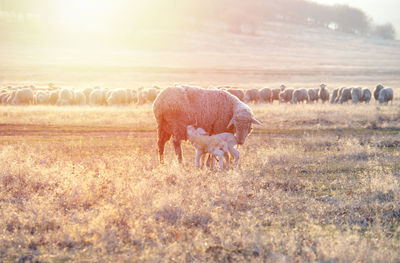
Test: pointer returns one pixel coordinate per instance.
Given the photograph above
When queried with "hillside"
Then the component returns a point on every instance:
(277, 53)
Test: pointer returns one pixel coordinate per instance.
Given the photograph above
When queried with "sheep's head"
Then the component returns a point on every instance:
(243, 125)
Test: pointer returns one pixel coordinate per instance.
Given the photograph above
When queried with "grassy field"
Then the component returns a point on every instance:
(315, 183)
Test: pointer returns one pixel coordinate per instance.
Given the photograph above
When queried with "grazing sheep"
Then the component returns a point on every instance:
(216, 111)
(323, 93)
(356, 95)
(207, 144)
(265, 95)
(366, 95)
(286, 96)
(87, 92)
(313, 95)
(147, 95)
(385, 95)
(377, 90)
(335, 94)
(42, 97)
(97, 97)
(117, 97)
(228, 137)
(22, 96)
(299, 95)
(79, 98)
(252, 95)
(345, 95)
(275, 94)
(238, 93)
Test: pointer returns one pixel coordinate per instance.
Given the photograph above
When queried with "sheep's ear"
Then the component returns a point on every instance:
(230, 124)
(254, 121)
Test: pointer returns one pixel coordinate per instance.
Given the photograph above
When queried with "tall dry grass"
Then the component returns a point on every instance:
(316, 183)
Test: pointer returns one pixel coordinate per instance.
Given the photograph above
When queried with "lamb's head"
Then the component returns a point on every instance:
(191, 131)
(242, 121)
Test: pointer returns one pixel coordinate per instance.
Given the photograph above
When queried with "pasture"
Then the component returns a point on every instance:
(315, 183)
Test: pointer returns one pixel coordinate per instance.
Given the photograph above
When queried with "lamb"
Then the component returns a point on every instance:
(300, 95)
(323, 93)
(207, 144)
(229, 138)
(252, 95)
(286, 96)
(216, 111)
(335, 94)
(237, 92)
(356, 95)
(275, 94)
(377, 90)
(345, 95)
(366, 95)
(265, 95)
(385, 95)
(313, 95)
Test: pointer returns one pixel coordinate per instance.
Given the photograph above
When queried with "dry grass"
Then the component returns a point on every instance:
(316, 183)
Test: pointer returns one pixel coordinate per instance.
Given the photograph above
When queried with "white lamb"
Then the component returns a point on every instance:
(225, 141)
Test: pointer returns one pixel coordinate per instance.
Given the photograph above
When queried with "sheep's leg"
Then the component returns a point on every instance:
(163, 137)
(178, 149)
(199, 153)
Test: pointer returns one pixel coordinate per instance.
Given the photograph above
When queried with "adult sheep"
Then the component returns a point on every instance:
(23, 96)
(385, 95)
(215, 111)
(252, 95)
(377, 90)
(238, 93)
(275, 94)
(299, 95)
(265, 95)
(335, 94)
(356, 95)
(42, 97)
(117, 97)
(366, 95)
(313, 95)
(97, 97)
(65, 97)
(286, 96)
(79, 98)
(345, 95)
(323, 93)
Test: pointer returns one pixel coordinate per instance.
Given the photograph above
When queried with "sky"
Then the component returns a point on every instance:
(381, 11)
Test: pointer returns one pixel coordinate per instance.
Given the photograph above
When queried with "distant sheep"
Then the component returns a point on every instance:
(87, 92)
(286, 96)
(252, 95)
(97, 97)
(366, 95)
(345, 95)
(23, 96)
(323, 93)
(216, 111)
(340, 94)
(42, 97)
(147, 95)
(265, 95)
(65, 97)
(275, 94)
(79, 98)
(238, 93)
(335, 94)
(117, 97)
(53, 97)
(300, 95)
(385, 95)
(378, 89)
(313, 95)
(356, 95)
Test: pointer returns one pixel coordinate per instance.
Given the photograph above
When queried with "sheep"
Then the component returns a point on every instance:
(207, 144)
(237, 92)
(335, 94)
(275, 94)
(265, 95)
(65, 97)
(87, 92)
(339, 94)
(286, 96)
(282, 87)
(147, 95)
(117, 97)
(97, 97)
(42, 97)
(4, 96)
(79, 98)
(216, 111)
(252, 95)
(229, 138)
(366, 95)
(312, 95)
(132, 96)
(385, 95)
(299, 95)
(345, 95)
(323, 93)
(356, 95)
(377, 90)
(22, 96)
(53, 97)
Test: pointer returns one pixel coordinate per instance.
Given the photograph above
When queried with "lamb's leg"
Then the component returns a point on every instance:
(227, 158)
(199, 153)
(235, 153)
(220, 155)
(163, 137)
